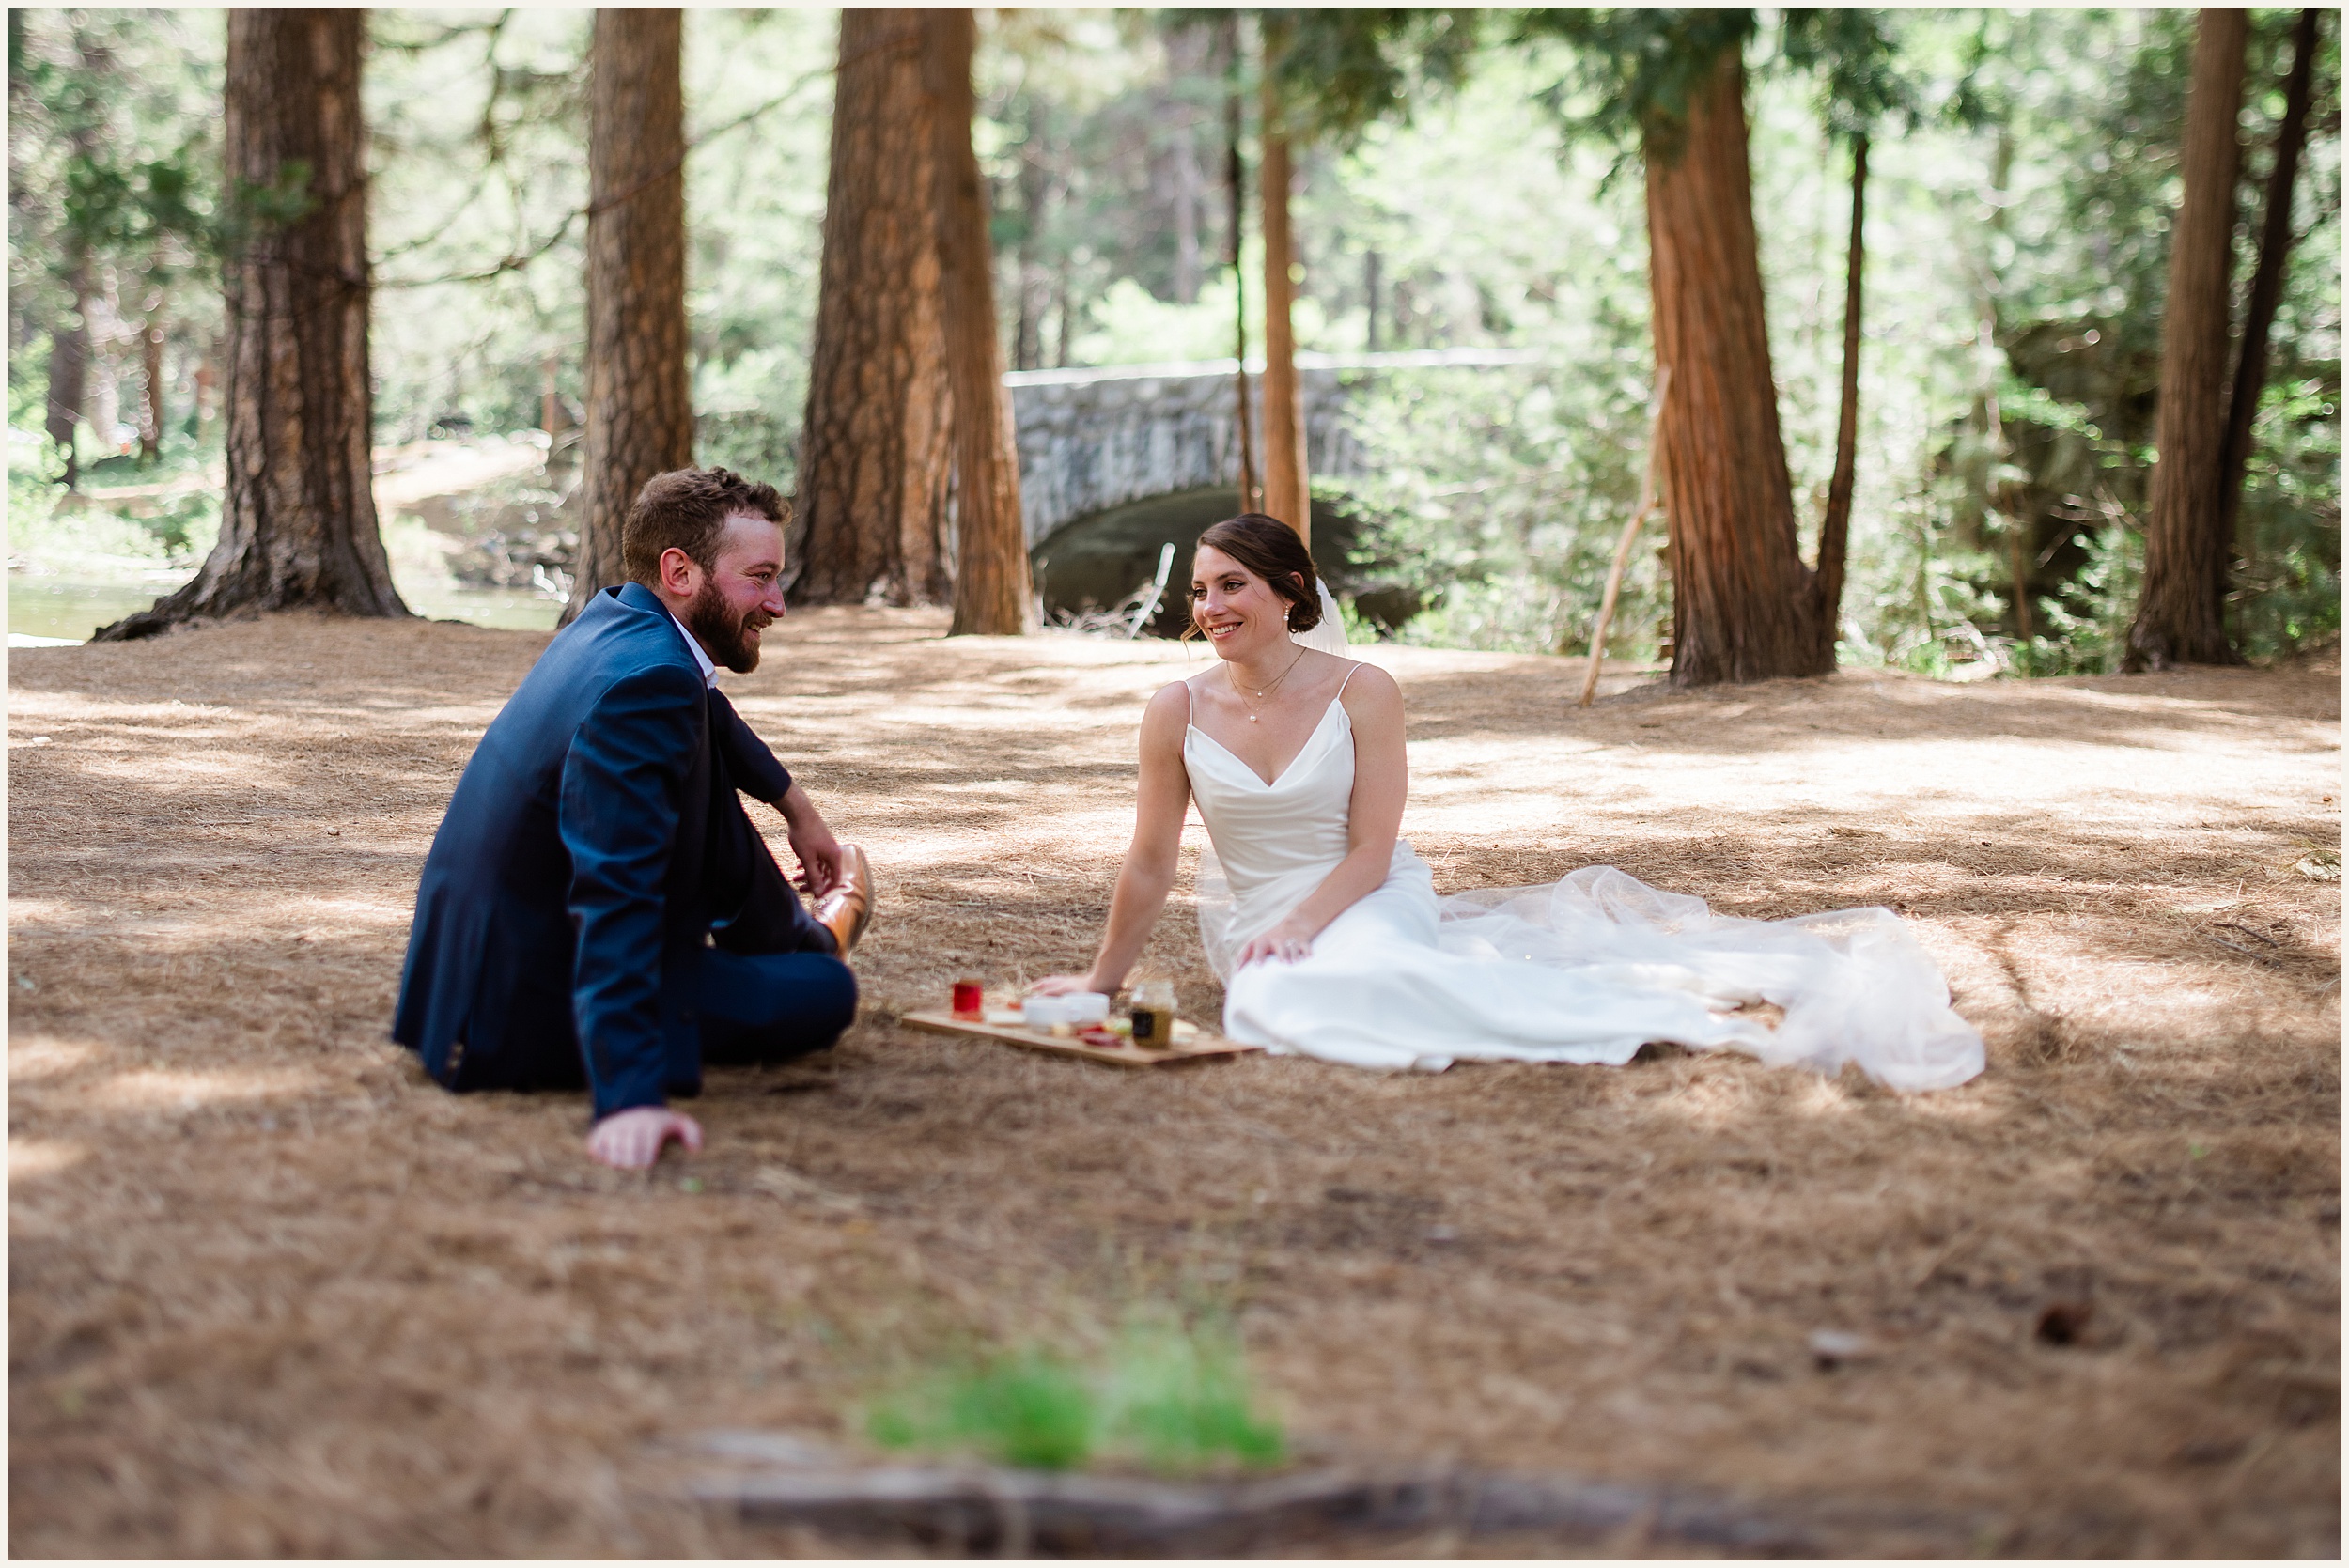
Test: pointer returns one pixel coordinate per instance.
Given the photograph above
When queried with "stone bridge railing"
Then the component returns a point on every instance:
(1090, 440)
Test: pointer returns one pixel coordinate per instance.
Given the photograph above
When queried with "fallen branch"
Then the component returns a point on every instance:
(1630, 532)
(2238, 947)
(1070, 1514)
(1157, 592)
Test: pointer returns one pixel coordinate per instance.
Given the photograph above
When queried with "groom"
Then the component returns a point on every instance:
(597, 908)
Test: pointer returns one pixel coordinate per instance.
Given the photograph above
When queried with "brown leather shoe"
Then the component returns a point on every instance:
(847, 906)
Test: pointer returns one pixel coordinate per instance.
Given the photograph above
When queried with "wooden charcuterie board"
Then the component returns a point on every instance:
(1201, 1046)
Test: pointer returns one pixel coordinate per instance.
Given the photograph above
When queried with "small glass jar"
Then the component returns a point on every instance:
(970, 999)
(1152, 1010)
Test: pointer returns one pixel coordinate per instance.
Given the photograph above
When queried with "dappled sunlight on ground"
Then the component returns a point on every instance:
(273, 1294)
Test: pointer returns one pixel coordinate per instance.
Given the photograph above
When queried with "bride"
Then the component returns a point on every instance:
(1333, 944)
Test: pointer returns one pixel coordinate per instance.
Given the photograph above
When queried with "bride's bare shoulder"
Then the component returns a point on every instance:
(1372, 698)
(1170, 706)
(1174, 693)
(1366, 683)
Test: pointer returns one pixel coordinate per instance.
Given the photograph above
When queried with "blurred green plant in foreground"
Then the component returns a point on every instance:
(1175, 1399)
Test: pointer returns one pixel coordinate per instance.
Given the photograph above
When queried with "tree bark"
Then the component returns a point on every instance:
(640, 400)
(2181, 618)
(994, 594)
(1288, 494)
(1236, 203)
(71, 348)
(298, 526)
(1835, 527)
(2267, 274)
(1743, 604)
(870, 520)
(1187, 202)
(69, 365)
(1028, 336)
(151, 377)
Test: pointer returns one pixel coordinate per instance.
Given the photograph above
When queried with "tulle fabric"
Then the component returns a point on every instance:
(1587, 969)
(1328, 633)
(1853, 983)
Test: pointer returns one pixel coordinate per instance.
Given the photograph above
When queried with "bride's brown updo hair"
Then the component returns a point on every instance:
(1272, 549)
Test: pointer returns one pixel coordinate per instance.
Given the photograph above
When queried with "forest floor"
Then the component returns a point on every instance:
(273, 1293)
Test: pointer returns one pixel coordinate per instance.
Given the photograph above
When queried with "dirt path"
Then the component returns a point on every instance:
(271, 1293)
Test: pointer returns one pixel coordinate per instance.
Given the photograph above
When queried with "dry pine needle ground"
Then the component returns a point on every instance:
(271, 1293)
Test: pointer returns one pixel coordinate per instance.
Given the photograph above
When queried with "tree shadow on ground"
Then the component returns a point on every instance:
(274, 1293)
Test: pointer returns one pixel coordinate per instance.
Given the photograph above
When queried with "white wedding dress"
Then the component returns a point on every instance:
(1586, 969)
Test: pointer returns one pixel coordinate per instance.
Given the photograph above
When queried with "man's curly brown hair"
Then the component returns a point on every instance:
(686, 509)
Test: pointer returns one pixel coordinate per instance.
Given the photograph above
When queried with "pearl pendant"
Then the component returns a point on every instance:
(1252, 718)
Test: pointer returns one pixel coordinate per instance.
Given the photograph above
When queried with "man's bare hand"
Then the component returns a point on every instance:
(634, 1138)
(810, 839)
(820, 859)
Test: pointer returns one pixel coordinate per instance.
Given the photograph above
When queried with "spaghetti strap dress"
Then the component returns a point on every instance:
(1585, 970)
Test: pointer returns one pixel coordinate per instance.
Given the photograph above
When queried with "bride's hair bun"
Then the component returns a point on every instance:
(1272, 549)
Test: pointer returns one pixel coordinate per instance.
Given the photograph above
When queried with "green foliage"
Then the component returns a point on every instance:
(1182, 1400)
(113, 153)
(1339, 70)
(100, 543)
(1634, 68)
(1174, 1398)
(2023, 175)
(1030, 1409)
(1498, 501)
(1854, 55)
(2287, 588)
(477, 138)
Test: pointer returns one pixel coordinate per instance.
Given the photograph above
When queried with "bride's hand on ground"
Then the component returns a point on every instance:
(1062, 984)
(1287, 942)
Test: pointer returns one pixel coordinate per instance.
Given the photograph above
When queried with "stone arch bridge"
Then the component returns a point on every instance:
(1117, 461)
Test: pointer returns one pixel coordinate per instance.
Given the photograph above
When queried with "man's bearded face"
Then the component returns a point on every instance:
(728, 630)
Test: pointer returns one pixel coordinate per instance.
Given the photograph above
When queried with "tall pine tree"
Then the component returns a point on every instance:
(640, 405)
(298, 524)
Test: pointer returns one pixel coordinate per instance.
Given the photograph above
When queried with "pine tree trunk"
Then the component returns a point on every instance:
(2181, 617)
(2267, 274)
(870, 519)
(1286, 493)
(68, 366)
(640, 401)
(298, 524)
(1027, 351)
(1234, 205)
(151, 379)
(1835, 527)
(207, 392)
(1187, 201)
(70, 347)
(1743, 604)
(993, 592)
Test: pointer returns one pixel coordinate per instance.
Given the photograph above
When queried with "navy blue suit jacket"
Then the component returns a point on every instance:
(572, 876)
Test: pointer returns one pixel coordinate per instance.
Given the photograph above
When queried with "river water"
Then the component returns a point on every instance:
(66, 609)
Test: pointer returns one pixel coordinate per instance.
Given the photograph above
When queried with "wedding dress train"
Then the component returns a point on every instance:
(1586, 969)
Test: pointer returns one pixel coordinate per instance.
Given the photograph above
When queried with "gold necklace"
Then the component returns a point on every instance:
(1267, 691)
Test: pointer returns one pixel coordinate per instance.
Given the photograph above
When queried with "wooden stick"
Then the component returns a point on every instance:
(1157, 591)
(1630, 531)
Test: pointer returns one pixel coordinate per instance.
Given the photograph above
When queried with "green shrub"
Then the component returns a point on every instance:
(1182, 1401)
(1174, 1399)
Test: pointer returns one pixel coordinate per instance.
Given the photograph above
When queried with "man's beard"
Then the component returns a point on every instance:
(724, 633)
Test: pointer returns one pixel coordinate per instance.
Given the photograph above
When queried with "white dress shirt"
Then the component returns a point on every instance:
(694, 645)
